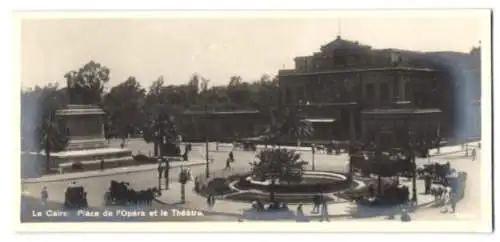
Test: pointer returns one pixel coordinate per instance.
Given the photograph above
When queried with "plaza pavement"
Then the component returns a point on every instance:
(96, 186)
(109, 172)
(198, 158)
(338, 209)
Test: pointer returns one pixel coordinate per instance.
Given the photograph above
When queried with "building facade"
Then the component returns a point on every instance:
(338, 87)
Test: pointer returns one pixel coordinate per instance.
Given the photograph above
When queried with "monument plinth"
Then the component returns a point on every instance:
(87, 145)
(85, 126)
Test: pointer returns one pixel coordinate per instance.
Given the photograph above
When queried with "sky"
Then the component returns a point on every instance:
(218, 48)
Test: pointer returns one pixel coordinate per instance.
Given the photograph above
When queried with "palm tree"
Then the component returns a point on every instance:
(290, 126)
(160, 129)
(184, 177)
(152, 134)
(278, 165)
(294, 127)
(53, 138)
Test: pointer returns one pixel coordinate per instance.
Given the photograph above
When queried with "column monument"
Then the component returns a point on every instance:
(84, 122)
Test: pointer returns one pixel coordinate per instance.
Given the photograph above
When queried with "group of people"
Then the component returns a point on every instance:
(473, 151)
(274, 210)
(391, 193)
(447, 188)
(210, 201)
(320, 205)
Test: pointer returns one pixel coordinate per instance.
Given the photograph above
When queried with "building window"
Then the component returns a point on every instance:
(351, 60)
(370, 91)
(407, 90)
(311, 94)
(300, 94)
(384, 93)
(288, 96)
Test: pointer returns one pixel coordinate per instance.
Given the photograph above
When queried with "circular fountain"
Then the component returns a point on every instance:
(245, 187)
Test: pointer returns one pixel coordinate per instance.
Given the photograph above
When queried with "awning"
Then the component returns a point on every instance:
(319, 120)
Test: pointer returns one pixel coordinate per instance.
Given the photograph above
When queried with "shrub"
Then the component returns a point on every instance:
(77, 165)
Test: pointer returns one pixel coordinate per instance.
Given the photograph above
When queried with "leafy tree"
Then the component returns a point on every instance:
(153, 103)
(294, 127)
(40, 130)
(52, 137)
(278, 165)
(86, 85)
(124, 107)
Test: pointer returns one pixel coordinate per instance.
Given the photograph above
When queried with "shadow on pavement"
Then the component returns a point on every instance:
(360, 211)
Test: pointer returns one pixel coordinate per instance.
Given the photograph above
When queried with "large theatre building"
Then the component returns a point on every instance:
(349, 91)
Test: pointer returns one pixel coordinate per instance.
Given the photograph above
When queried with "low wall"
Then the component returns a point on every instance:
(56, 159)
(96, 165)
(32, 165)
(327, 186)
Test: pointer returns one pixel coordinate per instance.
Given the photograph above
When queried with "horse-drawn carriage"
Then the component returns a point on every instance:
(120, 193)
(436, 170)
(75, 197)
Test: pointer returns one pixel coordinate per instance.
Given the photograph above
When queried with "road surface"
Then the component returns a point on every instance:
(97, 186)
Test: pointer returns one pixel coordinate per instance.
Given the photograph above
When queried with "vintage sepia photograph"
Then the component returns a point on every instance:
(309, 117)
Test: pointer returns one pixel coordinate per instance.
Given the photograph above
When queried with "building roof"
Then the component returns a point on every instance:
(80, 110)
(221, 112)
(340, 43)
(328, 104)
(319, 120)
(392, 68)
(401, 111)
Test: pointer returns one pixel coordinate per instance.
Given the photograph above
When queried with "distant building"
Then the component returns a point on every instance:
(351, 91)
(222, 126)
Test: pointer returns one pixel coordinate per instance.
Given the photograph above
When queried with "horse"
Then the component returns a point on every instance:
(438, 191)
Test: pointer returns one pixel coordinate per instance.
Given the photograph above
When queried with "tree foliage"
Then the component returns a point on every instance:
(39, 127)
(278, 165)
(132, 109)
(287, 125)
(86, 85)
(124, 108)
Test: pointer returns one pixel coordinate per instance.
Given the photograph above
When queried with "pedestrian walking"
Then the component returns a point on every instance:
(102, 165)
(160, 171)
(446, 198)
(428, 183)
(405, 215)
(300, 217)
(44, 195)
(474, 154)
(324, 212)
(211, 201)
(166, 173)
(316, 203)
(228, 163)
(453, 202)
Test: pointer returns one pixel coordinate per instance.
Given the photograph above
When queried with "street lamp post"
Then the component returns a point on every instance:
(167, 173)
(414, 166)
(160, 171)
(207, 169)
(313, 150)
(414, 179)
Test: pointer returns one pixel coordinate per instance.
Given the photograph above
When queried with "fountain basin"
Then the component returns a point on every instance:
(312, 182)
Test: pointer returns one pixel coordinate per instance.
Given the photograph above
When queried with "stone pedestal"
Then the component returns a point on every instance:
(85, 126)
(86, 142)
